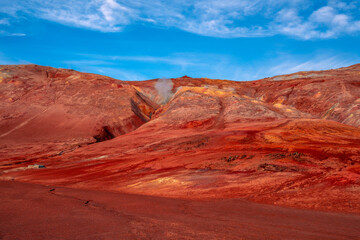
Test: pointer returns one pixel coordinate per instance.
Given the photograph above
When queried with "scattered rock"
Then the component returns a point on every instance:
(294, 155)
(278, 168)
(36, 166)
(230, 158)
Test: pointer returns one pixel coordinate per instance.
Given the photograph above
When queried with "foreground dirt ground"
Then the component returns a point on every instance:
(30, 211)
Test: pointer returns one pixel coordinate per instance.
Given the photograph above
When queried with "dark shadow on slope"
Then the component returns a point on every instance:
(105, 134)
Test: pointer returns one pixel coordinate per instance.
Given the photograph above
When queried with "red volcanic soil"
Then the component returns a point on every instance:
(290, 140)
(30, 211)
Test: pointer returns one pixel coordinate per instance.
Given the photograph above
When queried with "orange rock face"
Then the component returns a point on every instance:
(290, 140)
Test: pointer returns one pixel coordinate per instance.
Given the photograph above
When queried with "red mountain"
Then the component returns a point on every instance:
(290, 140)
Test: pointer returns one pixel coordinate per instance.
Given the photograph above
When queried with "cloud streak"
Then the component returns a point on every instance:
(4, 21)
(225, 19)
(292, 64)
(5, 60)
(217, 66)
(8, 34)
(176, 59)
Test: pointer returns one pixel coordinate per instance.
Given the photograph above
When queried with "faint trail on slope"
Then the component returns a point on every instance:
(220, 118)
(22, 124)
(330, 111)
(346, 93)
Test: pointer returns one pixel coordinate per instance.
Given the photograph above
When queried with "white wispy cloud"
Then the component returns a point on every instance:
(227, 19)
(105, 66)
(104, 15)
(170, 60)
(8, 34)
(175, 59)
(5, 24)
(4, 21)
(5, 60)
(325, 22)
(217, 66)
(122, 67)
(287, 63)
(118, 73)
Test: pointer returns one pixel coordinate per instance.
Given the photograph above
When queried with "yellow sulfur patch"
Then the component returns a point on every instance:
(272, 139)
(317, 95)
(163, 181)
(279, 100)
(166, 180)
(278, 105)
(216, 92)
(138, 184)
(288, 110)
(136, 88)
(245, 96)
(350, 116)
(204, 90)
(73, 77)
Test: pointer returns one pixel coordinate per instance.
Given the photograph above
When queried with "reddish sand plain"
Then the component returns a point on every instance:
(29, 211)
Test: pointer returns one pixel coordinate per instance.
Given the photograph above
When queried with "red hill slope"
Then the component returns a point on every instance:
(290, 140)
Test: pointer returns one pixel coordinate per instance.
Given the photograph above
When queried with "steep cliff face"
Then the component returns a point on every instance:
(290, 140)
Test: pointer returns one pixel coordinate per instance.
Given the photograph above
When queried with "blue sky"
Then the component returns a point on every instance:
(140, 39)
